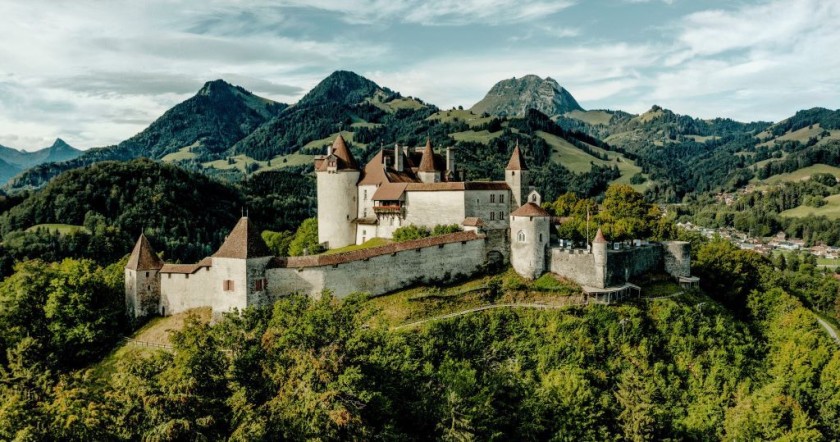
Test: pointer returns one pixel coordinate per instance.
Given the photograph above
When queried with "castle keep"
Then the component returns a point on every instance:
(502, 223)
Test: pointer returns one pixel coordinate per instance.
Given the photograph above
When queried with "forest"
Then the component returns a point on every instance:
(742, 360)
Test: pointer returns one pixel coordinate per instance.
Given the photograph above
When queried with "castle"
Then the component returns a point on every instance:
(502, 223)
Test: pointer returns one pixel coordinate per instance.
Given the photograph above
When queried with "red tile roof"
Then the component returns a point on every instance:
(472, 221)
(389, 192)
(427, 163)
(187, 268)
(357, 255)
(530, 209)
(143, 257)
(462, 185)
(517, 161)
(243, 242)
(339, 149)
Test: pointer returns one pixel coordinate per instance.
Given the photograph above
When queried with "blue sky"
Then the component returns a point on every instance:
(96, 72)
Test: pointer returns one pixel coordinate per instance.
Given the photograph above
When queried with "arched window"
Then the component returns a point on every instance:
(520, 236)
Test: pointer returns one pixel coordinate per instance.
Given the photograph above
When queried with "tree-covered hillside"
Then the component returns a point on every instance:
(185, 214)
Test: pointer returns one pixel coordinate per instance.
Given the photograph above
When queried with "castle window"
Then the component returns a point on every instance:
(492, 198)
(227, 285)
(520, 236)
(260, 284)
(147, 274)
(540, 237)
(502, 198)
(492, 216)
(364, 214)
(365, 194)
(512, 173)
(501, 216)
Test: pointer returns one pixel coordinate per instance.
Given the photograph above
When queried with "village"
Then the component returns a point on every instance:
(827, 256)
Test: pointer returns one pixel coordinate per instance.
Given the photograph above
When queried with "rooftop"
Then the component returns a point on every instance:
(143, 257)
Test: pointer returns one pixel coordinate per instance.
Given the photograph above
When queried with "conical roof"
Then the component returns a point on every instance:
(340, 150)
(530, 209)
(143, 257)
(243, 242)
(599, 237)
(517, 161)
(427, 163)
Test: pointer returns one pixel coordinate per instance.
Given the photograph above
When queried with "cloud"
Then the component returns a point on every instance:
(439, 12)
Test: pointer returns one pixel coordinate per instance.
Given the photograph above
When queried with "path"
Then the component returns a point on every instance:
(482, 308)
(829, 329)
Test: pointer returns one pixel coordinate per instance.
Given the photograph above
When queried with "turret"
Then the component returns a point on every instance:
(517, 178)
(529, 236)
(337, 175)
(599, 252)
(241, 262)
(427, 172)
(142, 280)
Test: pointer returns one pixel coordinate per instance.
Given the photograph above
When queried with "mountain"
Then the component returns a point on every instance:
(59, 151)
(342, 97)
(209, 123)
(7, 169)
(515, 96)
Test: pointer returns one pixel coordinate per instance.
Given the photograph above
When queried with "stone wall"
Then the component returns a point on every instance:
(628, 263)
(477, 203)
(183, 291)
(460, 255)
(622, 265)
(577, 265)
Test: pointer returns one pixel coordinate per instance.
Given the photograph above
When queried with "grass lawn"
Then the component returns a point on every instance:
(62, 229)
(831, 210)
(373, 242)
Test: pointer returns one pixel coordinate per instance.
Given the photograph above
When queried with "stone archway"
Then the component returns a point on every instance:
(495, 261)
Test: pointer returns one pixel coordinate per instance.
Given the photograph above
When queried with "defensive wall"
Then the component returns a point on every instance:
(380, 270)
(627, 262)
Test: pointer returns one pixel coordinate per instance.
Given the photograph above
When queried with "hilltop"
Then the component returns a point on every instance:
(513, 97)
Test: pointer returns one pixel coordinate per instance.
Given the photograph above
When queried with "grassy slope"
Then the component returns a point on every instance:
(802, 174)
(830, 210)
(579, 161)
(462, 115)
(373, 242)
(593, 117)
(62, 229)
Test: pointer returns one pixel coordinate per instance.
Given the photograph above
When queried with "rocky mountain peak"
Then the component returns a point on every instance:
(513, 97)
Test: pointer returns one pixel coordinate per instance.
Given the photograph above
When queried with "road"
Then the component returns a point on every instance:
(828, 328)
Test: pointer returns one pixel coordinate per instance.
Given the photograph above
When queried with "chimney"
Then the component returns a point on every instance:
(450, 161)
(329, 149)
(398, 158)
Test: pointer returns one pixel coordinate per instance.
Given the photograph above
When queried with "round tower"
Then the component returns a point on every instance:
(337, 175)
(529, 235)
(517, 178)
(599, 252)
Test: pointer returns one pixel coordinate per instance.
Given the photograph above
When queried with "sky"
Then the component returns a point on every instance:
(96, 72)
